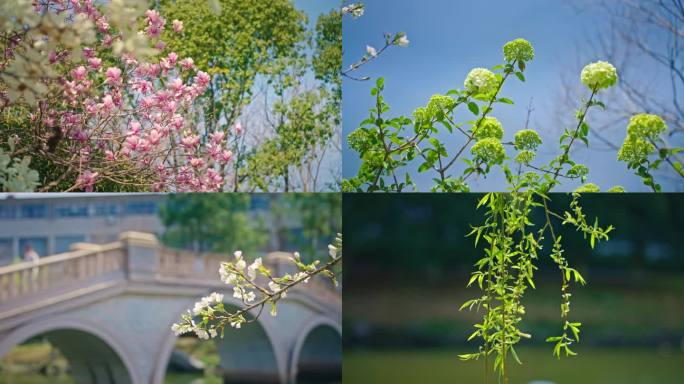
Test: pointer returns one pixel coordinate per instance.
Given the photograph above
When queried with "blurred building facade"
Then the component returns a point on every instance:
(49, 224)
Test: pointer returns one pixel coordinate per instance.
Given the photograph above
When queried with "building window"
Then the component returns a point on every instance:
(105, 209)
(6, 252)
(72, 210)
(141, 208)
(34, 211)
(63, 243)
(8, 212)
(38, 244)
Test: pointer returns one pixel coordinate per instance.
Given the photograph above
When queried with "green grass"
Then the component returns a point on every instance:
(592, 366)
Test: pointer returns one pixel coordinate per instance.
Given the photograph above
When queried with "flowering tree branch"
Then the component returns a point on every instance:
(256, 286)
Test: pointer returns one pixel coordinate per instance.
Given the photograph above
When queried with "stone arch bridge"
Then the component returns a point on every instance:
(109, 309)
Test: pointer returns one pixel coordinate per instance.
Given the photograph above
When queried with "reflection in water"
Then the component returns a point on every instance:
(38, 362)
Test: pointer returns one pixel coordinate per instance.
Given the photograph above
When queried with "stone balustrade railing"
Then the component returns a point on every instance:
(50, 274)
(136, 257)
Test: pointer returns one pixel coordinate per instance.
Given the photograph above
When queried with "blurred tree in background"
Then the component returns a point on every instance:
(275, 76)
(303, 222)
(426, 233)
(320, 217)
(211, 222)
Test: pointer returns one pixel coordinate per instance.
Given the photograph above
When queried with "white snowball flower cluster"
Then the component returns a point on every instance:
(599, 75)
(255, 285)
(481, 81)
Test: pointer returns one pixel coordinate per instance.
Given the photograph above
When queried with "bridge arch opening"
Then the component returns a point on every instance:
(90, 357)
(242, 356)
(317, 357)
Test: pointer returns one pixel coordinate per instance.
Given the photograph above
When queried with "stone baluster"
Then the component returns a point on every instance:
(142, 254)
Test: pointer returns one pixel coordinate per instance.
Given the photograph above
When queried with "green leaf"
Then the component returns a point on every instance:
(515, 356)
(505, 100)
(520, 76)
(472, 106)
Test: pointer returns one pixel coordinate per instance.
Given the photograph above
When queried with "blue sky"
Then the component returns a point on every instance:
(448, 38)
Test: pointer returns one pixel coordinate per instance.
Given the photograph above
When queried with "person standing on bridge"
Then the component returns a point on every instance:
(31, 256)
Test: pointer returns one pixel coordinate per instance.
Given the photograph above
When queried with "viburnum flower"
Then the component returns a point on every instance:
(635, 150)
(439, 103)
(646, 125)
(616, 189)
(372, 52)
(525, 157)
(481, 81)
(599, 75)
(588, 188)
(518, 50)
(489, 150)
(527, 139)
(579, 170)
(490, 127)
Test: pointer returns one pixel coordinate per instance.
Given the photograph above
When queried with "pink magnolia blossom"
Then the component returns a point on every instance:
(177, 26)
(139, 118)
(225, 157)
(187, 63)
(203, 78)
(86, 180)
(79, 73)
(113, 75)
(95, 63)
(217, 137)
(108, 103)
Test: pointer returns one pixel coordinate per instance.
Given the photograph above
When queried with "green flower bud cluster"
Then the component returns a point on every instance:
(588, 188)
(641, 130)
(579, 170)
(489, 150)
(525, 157)
(518, 50)
(635, 150)
(481, 81)
(489, 127)
(359, 140)
(440, 103)
(599, 75)
(421, 115)
(616, 189)
(527, 139)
